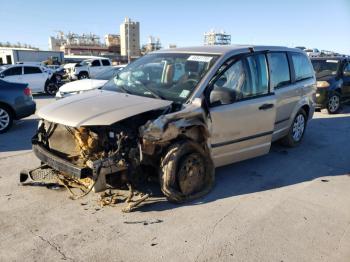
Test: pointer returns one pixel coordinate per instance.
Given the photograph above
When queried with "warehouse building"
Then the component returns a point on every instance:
(11, 55)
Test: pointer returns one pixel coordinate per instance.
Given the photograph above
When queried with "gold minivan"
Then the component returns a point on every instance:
(180, 113)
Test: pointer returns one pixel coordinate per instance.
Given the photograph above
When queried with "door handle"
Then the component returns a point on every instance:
(266, 106)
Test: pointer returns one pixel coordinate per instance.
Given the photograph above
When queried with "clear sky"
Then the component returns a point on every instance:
(311, 23)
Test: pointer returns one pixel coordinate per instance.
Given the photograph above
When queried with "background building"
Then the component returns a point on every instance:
(10, 55)
(130, 38)
(217, 38)
(75, 44)
(113, 43)
(152, 45)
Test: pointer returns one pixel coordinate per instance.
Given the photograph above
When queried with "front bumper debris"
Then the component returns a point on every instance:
(60, 164)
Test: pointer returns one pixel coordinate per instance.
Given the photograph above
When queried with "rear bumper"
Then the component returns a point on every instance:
(60, 164)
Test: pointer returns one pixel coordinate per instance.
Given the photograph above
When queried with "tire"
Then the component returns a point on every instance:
(6, 119)
(333, 103)
(83, 75)
(51, 88)
(296, 131)
(186, 172)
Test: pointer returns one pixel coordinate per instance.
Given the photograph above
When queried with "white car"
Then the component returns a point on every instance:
(36, 76)
(89, 68)
(80, 86)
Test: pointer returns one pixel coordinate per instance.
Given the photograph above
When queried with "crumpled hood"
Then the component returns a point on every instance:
(98, 107)
(82, 85)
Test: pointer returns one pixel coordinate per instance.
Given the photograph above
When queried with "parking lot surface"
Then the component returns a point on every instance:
(290, 205)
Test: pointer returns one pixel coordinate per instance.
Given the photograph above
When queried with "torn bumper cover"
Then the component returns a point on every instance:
(60, 164)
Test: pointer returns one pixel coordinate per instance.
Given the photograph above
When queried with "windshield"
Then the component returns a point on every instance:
(171, 76)
(325, 67)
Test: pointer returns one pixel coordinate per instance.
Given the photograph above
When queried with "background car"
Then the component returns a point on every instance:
(333, 82)
(84, 85)
(89, 68)
(38, 77)
(16, 102)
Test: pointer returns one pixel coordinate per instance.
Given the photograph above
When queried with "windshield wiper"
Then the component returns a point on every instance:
(155, 94)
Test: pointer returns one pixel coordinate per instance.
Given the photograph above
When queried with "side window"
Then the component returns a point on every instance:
(106, 63)
(259, 76)
(347, 68)
(32, 70)
(13, 71)
(302, 67)
(279, 69)
(96, 63)
(234, 78)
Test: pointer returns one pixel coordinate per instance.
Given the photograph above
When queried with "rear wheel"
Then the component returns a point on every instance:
(296, 131)
(333, 104)
(83, 75)
(187, 172)
(6, 119)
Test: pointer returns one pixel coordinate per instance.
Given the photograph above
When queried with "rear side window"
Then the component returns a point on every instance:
(106, 63)
(96, 63)
(259, 76)
(302, 67)
(13, 71)
(279, 69)
(32, 70)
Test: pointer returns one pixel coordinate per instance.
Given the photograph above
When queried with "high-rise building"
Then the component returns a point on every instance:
(217, 38)
(130, 38)
(113, 43)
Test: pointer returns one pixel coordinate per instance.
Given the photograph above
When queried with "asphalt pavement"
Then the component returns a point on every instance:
(290, 205)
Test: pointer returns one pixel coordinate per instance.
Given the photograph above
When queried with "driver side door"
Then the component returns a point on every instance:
(243, 128)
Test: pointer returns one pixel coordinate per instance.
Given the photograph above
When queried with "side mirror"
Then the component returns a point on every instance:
(222, 95)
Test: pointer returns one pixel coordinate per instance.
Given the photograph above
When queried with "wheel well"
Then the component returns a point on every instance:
(83, 72)
(338, 90)
(12, 112)
(306, 108)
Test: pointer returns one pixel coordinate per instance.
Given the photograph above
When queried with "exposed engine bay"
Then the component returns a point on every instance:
(92, 158)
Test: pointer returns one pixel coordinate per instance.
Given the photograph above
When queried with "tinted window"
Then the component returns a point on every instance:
(347, 68)
(325, 67)
(106, 63)
(279, 69)
(13, 71)
(302, 67)
(32, 70)
(95, 63)
(259, 76)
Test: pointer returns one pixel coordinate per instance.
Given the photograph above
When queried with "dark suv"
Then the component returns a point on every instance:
(333, 82)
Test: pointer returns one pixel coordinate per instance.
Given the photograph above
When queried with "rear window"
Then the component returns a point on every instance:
(279, 69)
(302, 67)
(32, 70)
(106, 63)
(13, 71)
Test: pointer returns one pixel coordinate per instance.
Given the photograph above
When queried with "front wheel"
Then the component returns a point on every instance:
(186, 172)
(333, 104)
(6, 119)
(296, 131)
(51, 88)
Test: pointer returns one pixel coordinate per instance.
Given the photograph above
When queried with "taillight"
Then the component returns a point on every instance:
(27, 91)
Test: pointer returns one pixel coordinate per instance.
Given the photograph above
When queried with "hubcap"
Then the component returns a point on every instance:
(83, 76)
(191, 174)
(333, 103)
(298, 127)
(4, 119)
(52, 89)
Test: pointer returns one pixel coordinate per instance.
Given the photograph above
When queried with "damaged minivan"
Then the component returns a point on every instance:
(181, 113)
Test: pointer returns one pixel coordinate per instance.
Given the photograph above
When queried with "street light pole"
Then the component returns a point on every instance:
(128, 41)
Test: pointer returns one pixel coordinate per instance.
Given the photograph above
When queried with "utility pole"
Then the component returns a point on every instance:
(128, 41)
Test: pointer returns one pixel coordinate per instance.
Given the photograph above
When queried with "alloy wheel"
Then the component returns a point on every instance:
(298, 127)
(4, 119)
(333, 103)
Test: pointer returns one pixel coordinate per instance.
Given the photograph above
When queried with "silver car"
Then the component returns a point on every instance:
(180, 113)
